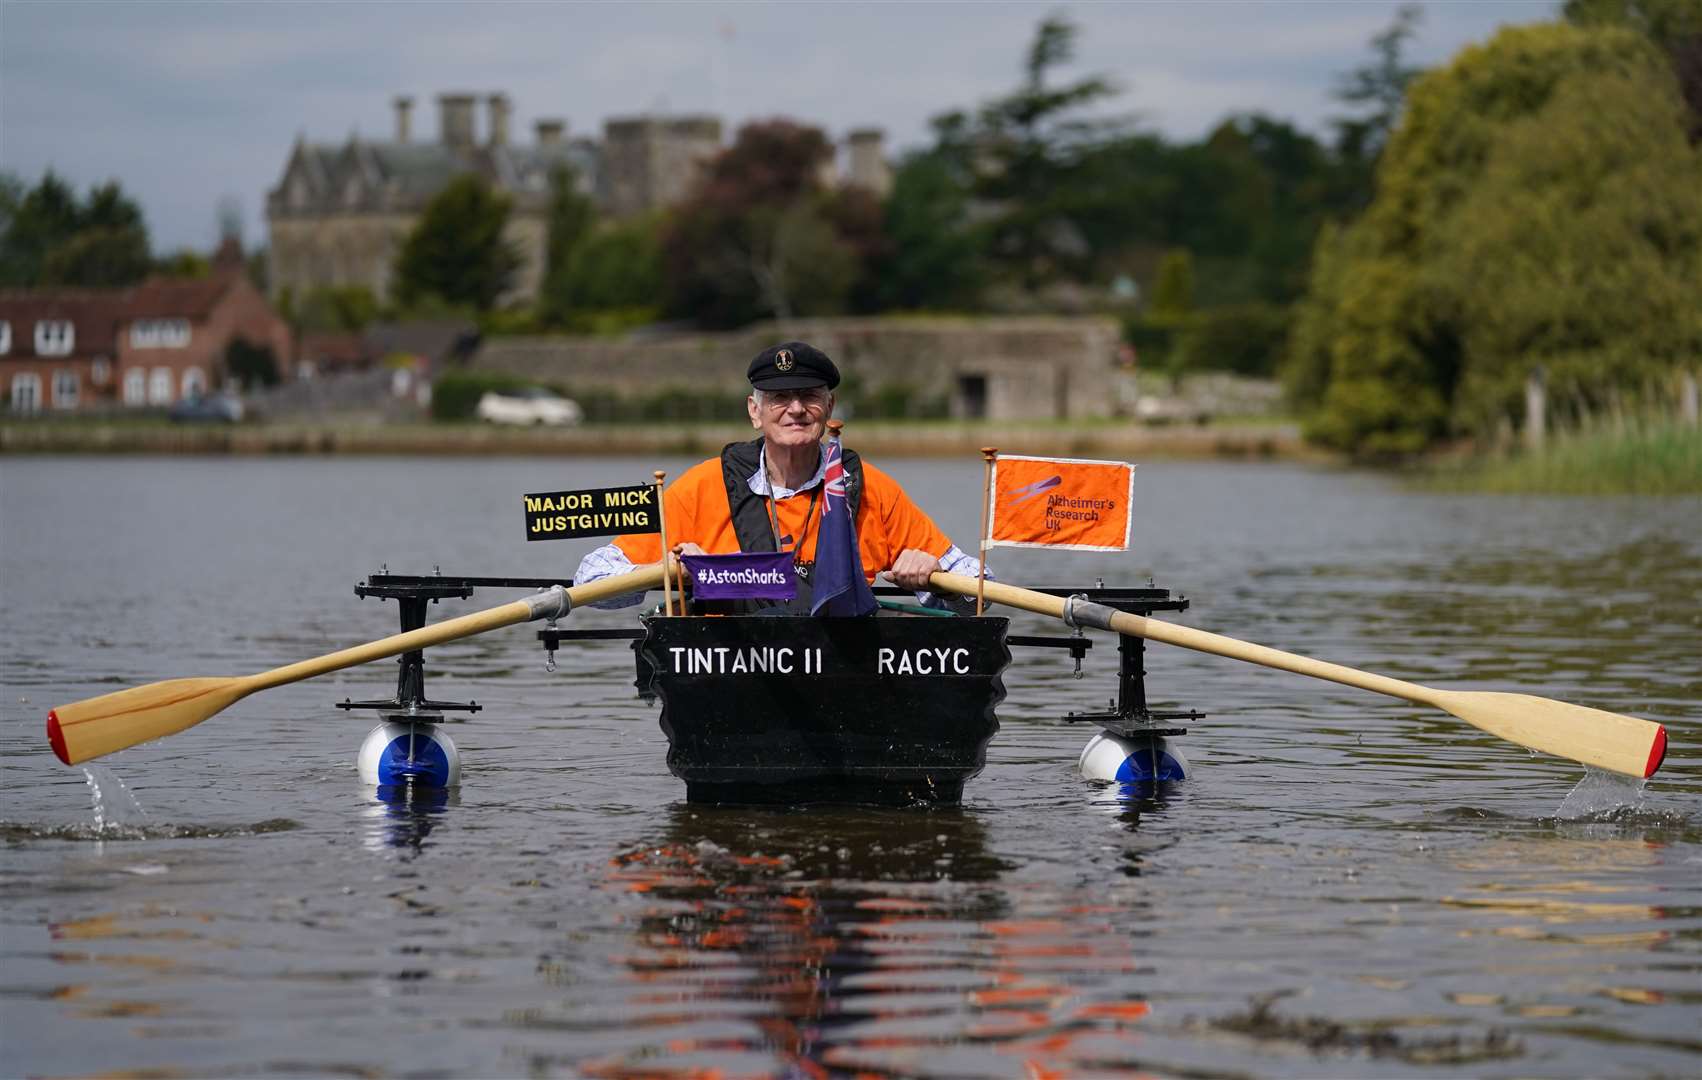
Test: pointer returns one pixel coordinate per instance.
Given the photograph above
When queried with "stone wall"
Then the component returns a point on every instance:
(992, 368)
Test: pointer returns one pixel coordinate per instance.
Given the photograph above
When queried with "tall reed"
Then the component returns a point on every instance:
(1631, 456)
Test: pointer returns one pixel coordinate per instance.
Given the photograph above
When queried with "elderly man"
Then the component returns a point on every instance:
(765, 495)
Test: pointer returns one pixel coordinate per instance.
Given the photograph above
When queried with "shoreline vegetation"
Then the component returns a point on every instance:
(1253, 439)
(1635, 457)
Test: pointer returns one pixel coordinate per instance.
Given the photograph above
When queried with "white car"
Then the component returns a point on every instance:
(531, 406)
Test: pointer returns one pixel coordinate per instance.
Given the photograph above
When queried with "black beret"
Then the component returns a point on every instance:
(792, 365)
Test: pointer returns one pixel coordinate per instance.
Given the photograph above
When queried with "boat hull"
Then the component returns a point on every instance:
(890, 711)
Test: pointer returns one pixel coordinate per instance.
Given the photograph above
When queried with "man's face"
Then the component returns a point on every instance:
(791, 417)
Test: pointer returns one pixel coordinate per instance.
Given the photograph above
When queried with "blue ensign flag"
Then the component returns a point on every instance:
(840, 588)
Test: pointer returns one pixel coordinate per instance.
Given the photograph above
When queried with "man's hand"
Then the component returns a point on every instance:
(687, 548)
(912, 568)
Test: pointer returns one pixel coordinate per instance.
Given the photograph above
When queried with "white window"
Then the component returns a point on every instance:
(159, 386)
(65, 387)
(100, 372)
(194, 382)
(159, 333)
(5, 337)
(55, 337)
(26, 392)
(135, 387)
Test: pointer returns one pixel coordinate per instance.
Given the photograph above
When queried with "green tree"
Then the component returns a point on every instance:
(1026, 150)
(1377, 89)
(457, 253)
(98, 257)
(1173, 296)
(572, 215)
(936, 255)
(185, 263)
(50, 238)
(345, 308)
(761, 236)
(1674, 25)
(1509, 229)
(612, 279)
(618, 266)
(1579, 251)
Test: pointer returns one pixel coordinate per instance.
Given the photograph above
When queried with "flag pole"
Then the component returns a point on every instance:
(988, 454)
(662, 526)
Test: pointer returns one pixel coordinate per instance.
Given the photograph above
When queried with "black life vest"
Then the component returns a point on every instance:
(755, 530)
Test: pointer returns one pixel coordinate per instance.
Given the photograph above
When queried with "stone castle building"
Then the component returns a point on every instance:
(340, 213)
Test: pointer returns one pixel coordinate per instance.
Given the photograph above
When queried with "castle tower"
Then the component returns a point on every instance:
(652, 161)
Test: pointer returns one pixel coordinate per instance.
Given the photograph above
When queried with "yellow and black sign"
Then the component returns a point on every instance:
(563, 515)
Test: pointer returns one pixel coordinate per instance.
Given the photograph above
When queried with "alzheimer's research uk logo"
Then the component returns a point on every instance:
(749, 575)
(1029, 491)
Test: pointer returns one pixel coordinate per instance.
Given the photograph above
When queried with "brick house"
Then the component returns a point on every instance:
(58, 347)
(172, 340)
(148, 345)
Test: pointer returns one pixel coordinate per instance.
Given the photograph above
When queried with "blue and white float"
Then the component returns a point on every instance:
(409, 753)
(1141, 759)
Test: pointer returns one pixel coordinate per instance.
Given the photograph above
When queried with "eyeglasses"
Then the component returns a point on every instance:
(814, 399)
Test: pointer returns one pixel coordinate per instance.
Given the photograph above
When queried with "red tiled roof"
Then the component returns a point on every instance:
(95, 313)
(184, 298)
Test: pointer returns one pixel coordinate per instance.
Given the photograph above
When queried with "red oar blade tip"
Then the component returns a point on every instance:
(57, 738)
(1657, 752)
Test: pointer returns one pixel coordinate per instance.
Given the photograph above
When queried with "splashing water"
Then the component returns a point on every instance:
(115, 807)
(1601, 793)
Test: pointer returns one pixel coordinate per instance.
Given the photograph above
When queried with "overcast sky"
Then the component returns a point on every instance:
(188, 103)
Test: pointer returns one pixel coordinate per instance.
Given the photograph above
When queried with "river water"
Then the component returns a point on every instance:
(1347, 886)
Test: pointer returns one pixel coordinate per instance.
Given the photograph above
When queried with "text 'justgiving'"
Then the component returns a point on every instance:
(563, 515)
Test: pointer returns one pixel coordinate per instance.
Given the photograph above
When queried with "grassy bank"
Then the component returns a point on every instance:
(1641, 458)
(1100, 438)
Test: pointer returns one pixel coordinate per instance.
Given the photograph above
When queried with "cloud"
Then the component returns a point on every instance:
(185, 102)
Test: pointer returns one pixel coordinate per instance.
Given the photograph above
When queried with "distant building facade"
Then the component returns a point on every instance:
(341, 213)
(151, 345)
(993, 368)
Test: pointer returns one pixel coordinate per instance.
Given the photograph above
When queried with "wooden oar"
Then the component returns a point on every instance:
(100, 725)
(1622, 744)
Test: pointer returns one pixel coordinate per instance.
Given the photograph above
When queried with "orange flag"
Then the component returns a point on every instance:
(1061, 502)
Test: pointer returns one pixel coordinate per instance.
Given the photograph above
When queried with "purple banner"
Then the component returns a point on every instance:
(756, 575)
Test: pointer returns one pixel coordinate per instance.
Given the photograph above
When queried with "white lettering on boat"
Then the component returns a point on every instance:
(728, 660)
(922, 661)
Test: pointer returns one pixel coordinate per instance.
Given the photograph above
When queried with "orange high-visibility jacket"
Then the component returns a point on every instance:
(696, 510)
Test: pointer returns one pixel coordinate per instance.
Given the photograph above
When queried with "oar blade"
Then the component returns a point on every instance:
(101, 725)
(1621, 744)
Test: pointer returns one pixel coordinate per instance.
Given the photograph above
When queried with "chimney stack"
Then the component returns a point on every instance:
(550, 132)
(455, 119)
(869, 168)
(404, 118)
(499, 109)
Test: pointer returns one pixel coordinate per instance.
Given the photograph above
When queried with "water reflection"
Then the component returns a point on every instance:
(816, 943)
(401, 816)
(1405, 873)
